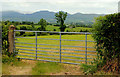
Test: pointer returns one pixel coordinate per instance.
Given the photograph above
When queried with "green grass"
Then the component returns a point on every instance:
(51, 28)
(78, 29)
(43, 68)
(56, 42)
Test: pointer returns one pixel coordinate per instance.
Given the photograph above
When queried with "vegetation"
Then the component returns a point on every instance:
(107, 35)
(60, 17)
(89, 69)
(5, 38)
(106, 32)
(49, 16)
(43, 68)
(43, 24)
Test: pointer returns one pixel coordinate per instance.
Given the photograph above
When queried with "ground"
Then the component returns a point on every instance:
(28, 65)
(22, 68)
(25, 70)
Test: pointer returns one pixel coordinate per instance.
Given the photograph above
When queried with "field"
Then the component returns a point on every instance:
(52, 28)
(48, 52)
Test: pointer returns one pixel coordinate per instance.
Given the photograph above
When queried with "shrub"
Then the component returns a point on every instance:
(54, 30)
(67, 31)
(17, 33)
(7, 59)
(5, 43)
(81, 30)
(106, 31)
(22, 28)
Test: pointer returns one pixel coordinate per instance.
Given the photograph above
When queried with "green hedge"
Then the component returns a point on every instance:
(106, 31)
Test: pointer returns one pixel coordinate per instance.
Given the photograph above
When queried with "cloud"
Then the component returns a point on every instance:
(71, 6)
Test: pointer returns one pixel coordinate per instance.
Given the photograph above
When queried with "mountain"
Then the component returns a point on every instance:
(49, 16)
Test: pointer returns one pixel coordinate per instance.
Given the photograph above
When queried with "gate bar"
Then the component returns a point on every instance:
(86, 48)
(60, 47)
(36, 43)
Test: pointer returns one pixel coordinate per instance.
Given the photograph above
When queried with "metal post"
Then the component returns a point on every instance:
(86, 48)
(60, 47)
(36, 43)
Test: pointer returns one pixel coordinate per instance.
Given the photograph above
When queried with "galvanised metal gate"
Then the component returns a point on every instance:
(48, 46)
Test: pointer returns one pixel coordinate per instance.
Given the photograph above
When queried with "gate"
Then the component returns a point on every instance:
(63, 47)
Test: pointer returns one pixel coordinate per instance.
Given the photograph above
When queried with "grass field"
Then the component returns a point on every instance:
(51, 28)
(54, 53)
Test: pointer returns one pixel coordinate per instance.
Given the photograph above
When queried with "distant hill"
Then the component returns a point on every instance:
(49, 16)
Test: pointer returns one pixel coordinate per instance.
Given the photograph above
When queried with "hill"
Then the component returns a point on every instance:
(49, 16)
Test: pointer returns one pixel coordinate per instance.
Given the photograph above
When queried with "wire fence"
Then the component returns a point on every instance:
(63, 47)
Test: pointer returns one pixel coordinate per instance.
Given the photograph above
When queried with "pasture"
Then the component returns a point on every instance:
(52, 52)
(52, 28)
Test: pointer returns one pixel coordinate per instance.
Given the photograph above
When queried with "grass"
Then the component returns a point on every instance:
(45, 55)
(29, 67)
(78, 29)
(43, 68)
(51, 28)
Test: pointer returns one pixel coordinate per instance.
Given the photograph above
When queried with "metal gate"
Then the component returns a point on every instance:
(63, 47)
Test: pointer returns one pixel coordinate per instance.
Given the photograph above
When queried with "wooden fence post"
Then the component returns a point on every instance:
(11, 38)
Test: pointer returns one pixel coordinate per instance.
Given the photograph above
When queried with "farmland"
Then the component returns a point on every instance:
(56, 28)
(54, 50)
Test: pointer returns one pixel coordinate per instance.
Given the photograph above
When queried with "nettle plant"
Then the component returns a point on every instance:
(106, 31)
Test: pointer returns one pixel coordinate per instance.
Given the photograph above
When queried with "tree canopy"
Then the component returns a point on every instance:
(61, 17)
(43, 24)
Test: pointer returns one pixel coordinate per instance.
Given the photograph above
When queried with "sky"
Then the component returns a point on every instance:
(70, 6)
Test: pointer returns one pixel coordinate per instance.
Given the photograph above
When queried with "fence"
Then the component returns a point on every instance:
(35, 47)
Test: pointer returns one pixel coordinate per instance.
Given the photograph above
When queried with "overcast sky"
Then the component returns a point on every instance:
(70, 6)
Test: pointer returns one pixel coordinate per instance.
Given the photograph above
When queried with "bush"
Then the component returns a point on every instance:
(7, 59)
(10, 57)
(5, 43)
(17, 33)
(81, 30)
(22, 28)
(54, 30)
(106, 31)
(67, 30)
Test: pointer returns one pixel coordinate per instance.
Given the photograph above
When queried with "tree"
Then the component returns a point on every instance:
(43, 24)
(60, 17)
(22, 28)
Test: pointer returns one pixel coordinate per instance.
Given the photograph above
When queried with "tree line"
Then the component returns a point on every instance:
(60, 18)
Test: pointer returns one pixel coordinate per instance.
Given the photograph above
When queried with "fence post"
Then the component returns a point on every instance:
(36, 43)
(60, 47)
(86, 48)
(11, 38)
